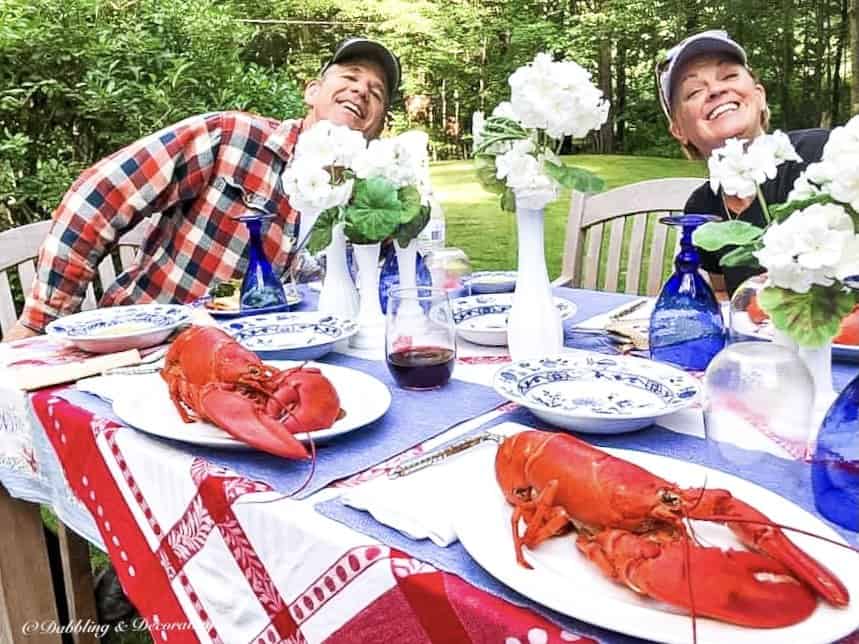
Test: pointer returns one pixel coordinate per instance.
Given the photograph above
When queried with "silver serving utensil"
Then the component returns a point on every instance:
(147, 365)
(442, 454)
(632, 308)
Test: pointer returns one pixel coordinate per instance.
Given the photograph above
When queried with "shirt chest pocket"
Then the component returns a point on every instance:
(232, 199)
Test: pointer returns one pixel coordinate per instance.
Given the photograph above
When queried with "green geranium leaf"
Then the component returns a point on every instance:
(320, 234)
(484, 164)
(718, 234)
(374, 213)
(574, 178)
(407, 232)
(410, 201)
(811, 319)
(508, 201)
(741, 256)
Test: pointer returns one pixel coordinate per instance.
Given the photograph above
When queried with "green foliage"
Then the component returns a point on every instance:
(812, 318)
(81, 78)
(375, 211)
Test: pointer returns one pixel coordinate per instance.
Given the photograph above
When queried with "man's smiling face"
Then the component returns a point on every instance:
(352, 93)
(714, 99)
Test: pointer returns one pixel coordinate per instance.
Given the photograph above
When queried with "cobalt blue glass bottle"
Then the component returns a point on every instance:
(686, 328)
(261, 288)
(835, 466)
(390, 276)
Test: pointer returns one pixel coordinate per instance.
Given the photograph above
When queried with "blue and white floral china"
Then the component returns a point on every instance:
(486, 282)
(120, 328)
(594, 393)
(482, 319)
(305, 335)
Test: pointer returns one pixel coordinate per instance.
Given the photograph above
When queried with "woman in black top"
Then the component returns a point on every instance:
(709, 95)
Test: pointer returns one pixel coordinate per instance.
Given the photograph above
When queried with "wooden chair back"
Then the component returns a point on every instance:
(18, 250)
(614, 241)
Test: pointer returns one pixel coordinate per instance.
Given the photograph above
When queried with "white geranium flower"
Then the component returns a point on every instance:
(791, 276)
(849, 264)
(844, 186)
(328, 144)
(739, 168)
(505, 110)
(802, 188)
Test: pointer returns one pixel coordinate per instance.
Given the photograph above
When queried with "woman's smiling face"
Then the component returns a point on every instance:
(715, 98)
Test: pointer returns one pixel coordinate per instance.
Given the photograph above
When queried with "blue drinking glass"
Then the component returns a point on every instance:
(686, 328)
(261, 287)
(835, 466)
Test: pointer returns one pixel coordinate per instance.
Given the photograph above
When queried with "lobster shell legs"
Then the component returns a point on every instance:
(736, 586)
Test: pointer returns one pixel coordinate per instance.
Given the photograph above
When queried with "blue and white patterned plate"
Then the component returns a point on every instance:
(305, 335)
(482, 319)
(119, 328)
(483, 282)
(594, 393)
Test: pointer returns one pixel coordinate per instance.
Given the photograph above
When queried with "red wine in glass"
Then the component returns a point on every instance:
(421, 367)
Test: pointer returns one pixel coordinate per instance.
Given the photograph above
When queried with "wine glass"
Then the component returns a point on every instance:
(759, 397)
(261, 287)
(686, 328)
(420, 337)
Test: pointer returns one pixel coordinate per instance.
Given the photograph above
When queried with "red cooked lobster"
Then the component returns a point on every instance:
(211, 377)
(630, 523)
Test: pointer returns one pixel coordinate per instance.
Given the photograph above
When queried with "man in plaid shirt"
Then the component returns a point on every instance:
(196, 176)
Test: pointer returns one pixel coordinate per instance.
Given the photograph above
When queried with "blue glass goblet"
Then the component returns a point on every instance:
(261, 287)
(835, 466)
(686, 328)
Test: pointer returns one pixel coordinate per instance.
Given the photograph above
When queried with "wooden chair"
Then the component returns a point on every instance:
(18, 250)
(629, 218)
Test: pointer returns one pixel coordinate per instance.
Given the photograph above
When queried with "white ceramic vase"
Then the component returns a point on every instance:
(371, 320)
(406, 260)
(338, 296)
(819, 363)
(534, 328)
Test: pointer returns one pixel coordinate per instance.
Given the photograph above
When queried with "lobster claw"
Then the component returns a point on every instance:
(737, 586)
(245, 420)
(756, 531)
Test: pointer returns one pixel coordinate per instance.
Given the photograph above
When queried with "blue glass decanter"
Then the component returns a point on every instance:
(686, 328)
(262, 290)
(835, 466)
(390, 275)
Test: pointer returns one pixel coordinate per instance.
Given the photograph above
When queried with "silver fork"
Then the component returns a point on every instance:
(146, 365)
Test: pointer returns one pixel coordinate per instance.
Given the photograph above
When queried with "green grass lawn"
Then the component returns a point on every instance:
(476, 224)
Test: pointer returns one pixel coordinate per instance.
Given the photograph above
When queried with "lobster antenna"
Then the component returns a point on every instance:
(687, 568)
(304, 484)
(729, 519)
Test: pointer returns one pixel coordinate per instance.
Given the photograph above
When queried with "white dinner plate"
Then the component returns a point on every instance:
(119, 328)
(591, 392)
(482, 319)
(483, 282)
(563, 580)
(744, 328)
(146, 405)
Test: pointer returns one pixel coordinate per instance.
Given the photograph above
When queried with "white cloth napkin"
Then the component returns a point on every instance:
(419, 505)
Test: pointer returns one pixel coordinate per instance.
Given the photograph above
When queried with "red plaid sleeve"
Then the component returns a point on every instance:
(112, 197)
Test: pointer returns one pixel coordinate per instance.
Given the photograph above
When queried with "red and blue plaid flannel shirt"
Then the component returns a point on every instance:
(197, 174)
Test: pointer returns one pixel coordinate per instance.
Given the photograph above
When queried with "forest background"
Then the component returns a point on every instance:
(81, 78)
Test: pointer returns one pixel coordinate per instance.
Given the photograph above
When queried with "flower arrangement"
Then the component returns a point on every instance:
(378, 190)
(810, 246)
(516, 148)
